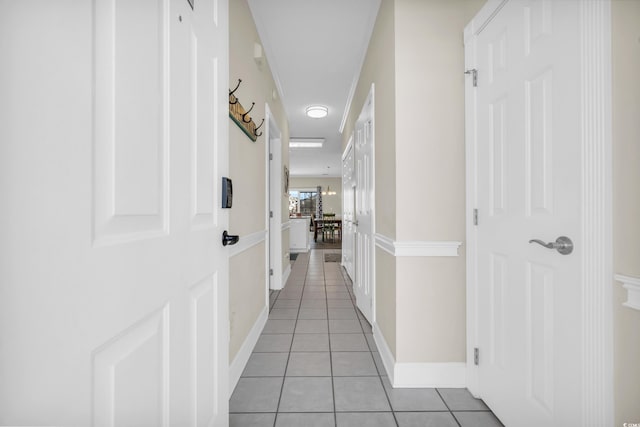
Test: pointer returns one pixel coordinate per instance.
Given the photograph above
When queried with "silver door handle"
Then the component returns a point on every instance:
(563, 244)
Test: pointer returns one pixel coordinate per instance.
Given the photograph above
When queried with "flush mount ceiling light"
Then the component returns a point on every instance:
(317, 111)
(306, 142)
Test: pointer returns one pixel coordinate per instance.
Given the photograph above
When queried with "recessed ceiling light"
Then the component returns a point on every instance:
(306, 142)
(317, 111)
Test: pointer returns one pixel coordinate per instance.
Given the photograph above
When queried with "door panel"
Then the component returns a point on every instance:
(131, 120)
(528, 188)
(348, 211)
(363, 147)
(114, 290)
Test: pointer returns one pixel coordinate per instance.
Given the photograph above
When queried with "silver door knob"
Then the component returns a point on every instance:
(563, 244)
(355, 223)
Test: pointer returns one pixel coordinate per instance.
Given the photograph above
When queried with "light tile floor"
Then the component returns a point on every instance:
(316, 365)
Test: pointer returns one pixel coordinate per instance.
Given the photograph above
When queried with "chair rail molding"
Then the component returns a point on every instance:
(418, 248)
(632, 285)
(247, 242)
(286, 225)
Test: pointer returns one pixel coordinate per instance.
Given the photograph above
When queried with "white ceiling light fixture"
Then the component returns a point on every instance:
(317, 111)
(306, 142)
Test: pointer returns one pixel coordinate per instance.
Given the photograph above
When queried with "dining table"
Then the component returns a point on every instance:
(318, 224)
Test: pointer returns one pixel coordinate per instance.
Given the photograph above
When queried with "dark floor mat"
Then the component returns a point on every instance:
(293, 257)
(332, 257)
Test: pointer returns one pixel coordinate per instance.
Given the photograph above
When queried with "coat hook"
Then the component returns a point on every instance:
(233, 99)
(255, 131)
(236, 88)
(248, 111)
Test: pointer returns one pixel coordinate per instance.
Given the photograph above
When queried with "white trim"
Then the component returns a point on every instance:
(385, 243)
(470, 95)
(242, 357)
(247, 242)
(345, 153)
(286, 273)
(286, 225)
(597, 207)
(274, 191)
(419, 375)
(417, 248)
(430, 375)
(385, 352)
(356, 76)
(632, 285)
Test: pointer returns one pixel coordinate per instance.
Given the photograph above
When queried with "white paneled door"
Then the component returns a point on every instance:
(364, 205)
(348, 209)
(113, 278)
(530, 186)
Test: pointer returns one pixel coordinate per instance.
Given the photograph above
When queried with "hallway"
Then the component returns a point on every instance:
(316, 365)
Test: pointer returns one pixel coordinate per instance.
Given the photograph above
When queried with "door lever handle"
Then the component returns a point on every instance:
(229, 239)
(563, 244)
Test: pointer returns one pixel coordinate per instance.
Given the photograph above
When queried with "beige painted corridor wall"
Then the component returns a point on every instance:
(247, 165)
(379, 69)
(420, 163)
(430, 158)
(626, 219)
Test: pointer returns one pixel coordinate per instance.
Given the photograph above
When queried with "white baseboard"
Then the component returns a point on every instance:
(428, 375)
(419, 375)
(285, 275)
(241, 359)
(385, 352)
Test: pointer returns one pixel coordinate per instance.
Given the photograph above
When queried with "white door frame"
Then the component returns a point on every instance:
(273, 202)
(597, 231)
(347, 186)
(369, 103)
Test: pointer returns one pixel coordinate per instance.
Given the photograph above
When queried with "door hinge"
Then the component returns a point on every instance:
(476, 356)
(474, 73)
(475, 217)
(270, 156)
(270, 214)
(271, 272)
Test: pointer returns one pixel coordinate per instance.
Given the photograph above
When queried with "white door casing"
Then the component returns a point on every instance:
(113, 279)
(348, 209)
(538, 152)
(364, 281)
(275, 189)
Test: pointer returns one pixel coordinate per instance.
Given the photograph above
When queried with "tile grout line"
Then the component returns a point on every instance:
(295, 324)
(393, 412)
(326, 302)
(447, 406)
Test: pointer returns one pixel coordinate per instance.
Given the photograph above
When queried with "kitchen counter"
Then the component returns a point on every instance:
(299, 240)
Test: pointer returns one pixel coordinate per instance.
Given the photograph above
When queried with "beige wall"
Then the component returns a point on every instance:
(247, 166)
(415, 59)
(331, 204)
(430, 158)
(379, 69)
(626, 180)
(386, 313)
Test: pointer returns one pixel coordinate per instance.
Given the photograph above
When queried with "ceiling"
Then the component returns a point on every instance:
(315, 49)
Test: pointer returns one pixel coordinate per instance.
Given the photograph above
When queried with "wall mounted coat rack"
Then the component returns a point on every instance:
(241, 116)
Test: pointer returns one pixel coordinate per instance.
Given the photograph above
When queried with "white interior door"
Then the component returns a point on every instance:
(275, 190)
(113, 279)
(529, 187)
(363, 221)
(348, 209)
